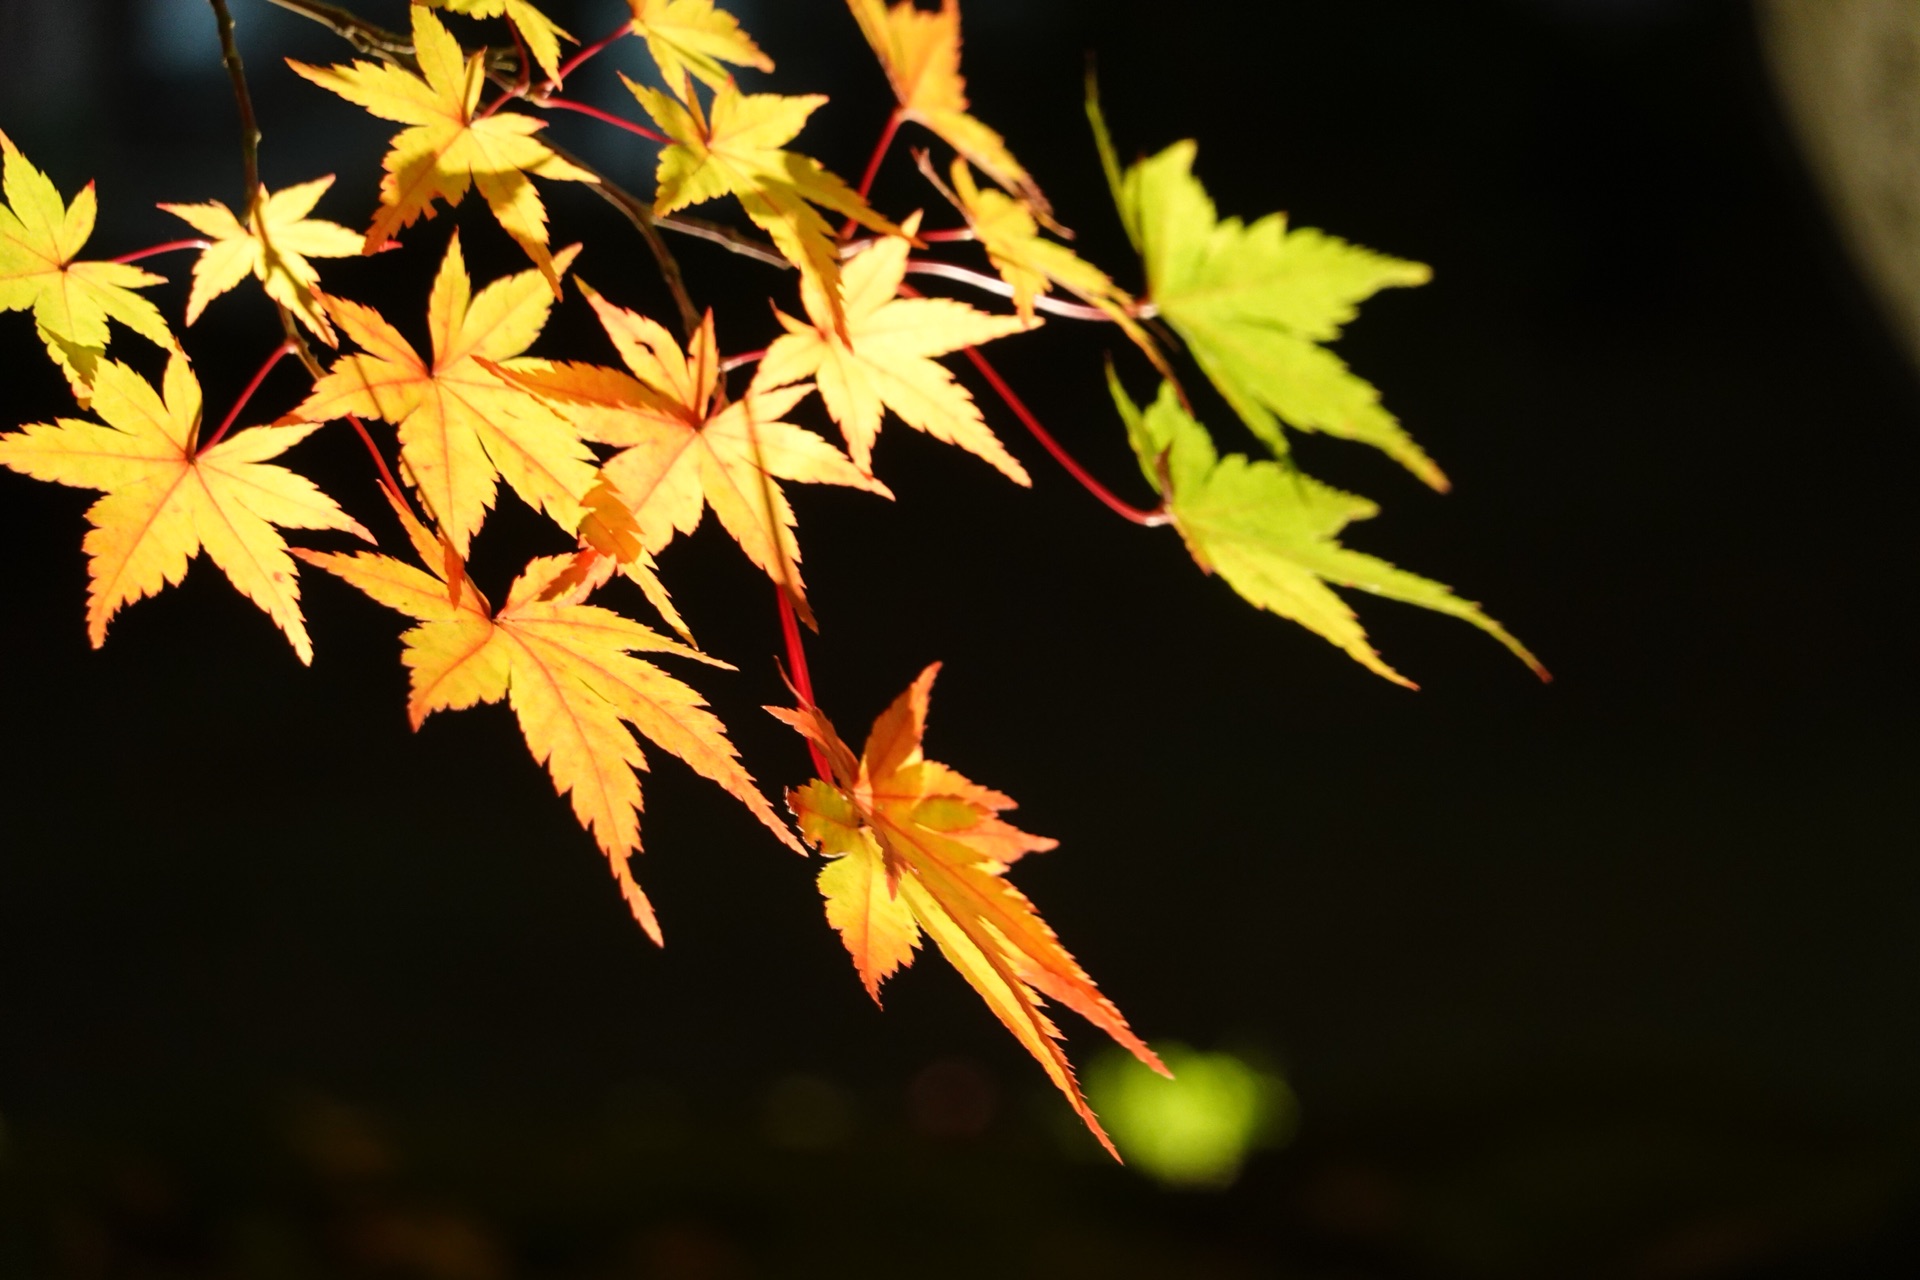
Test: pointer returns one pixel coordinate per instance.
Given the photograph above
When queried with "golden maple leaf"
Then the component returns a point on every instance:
(273, 248)
(920, 51)
(736, 149)
(917, 848)
(40, 238)
(885, 357)
(691, 37)
(167, 498)
(462, 427)
(679, 454)
(447, 147)
(540, 32)
(567, 670)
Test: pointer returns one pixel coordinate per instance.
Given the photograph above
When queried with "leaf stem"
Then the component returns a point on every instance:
(572, 64)
(275, 357)
(169, 247)
(744, 358)
(873, 162)
(1158, 516)
(802, 680)
(386, 476)
(606, 117)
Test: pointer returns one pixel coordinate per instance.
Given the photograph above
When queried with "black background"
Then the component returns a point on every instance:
(1611, 977)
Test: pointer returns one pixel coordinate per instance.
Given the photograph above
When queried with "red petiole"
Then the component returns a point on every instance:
(802, 681)
(169, 247)
(278, 354)
(572, 64)
(873, 164)
(1119, 506)
(606, 117)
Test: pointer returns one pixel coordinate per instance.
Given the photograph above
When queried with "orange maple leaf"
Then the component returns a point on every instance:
(167, 498)
(680, 453)
(447, 147)
(462, 427)
(885, 357)
(916, 849)
(567, 670)
(920, 51)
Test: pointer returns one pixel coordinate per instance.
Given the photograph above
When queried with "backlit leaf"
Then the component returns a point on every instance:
(167, 499)
(916, 848)
(1272, 533)
(448, 145)
(40, 239)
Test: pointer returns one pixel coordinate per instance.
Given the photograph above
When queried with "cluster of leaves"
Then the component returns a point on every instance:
(624, 458)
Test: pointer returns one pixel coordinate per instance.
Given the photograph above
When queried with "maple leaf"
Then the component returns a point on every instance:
(567, 670)
(274, 249)
(735, 149)
(446, 147)
(884, 357)
(691, 37)
(462, 426)
(40, 238)
(917, 848)
(539, 31)
(920, 51)
(679, 455)
(1253, 302)
(167, 498)
(1272, 532)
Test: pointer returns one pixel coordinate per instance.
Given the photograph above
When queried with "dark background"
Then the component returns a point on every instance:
(1613, 977)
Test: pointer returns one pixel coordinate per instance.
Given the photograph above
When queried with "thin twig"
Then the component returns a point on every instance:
(994, 284)
(371, 38)
(249, 124)
(640, 214)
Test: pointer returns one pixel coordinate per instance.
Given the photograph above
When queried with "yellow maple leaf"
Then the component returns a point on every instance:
(542, 35)
(167, 499)
(274, 249)
(567, 670)
(679, 454)
(692, 37)
(462, 427)
(885, 358)
(917, 848)
(40, 238)
(447, 147)
(736, 149)
(920, 51)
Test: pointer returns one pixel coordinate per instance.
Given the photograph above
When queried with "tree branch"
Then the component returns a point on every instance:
(249, 123)
(994, 284)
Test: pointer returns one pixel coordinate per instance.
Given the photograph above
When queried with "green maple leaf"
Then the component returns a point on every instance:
(1255, 301)
(1272, 533)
